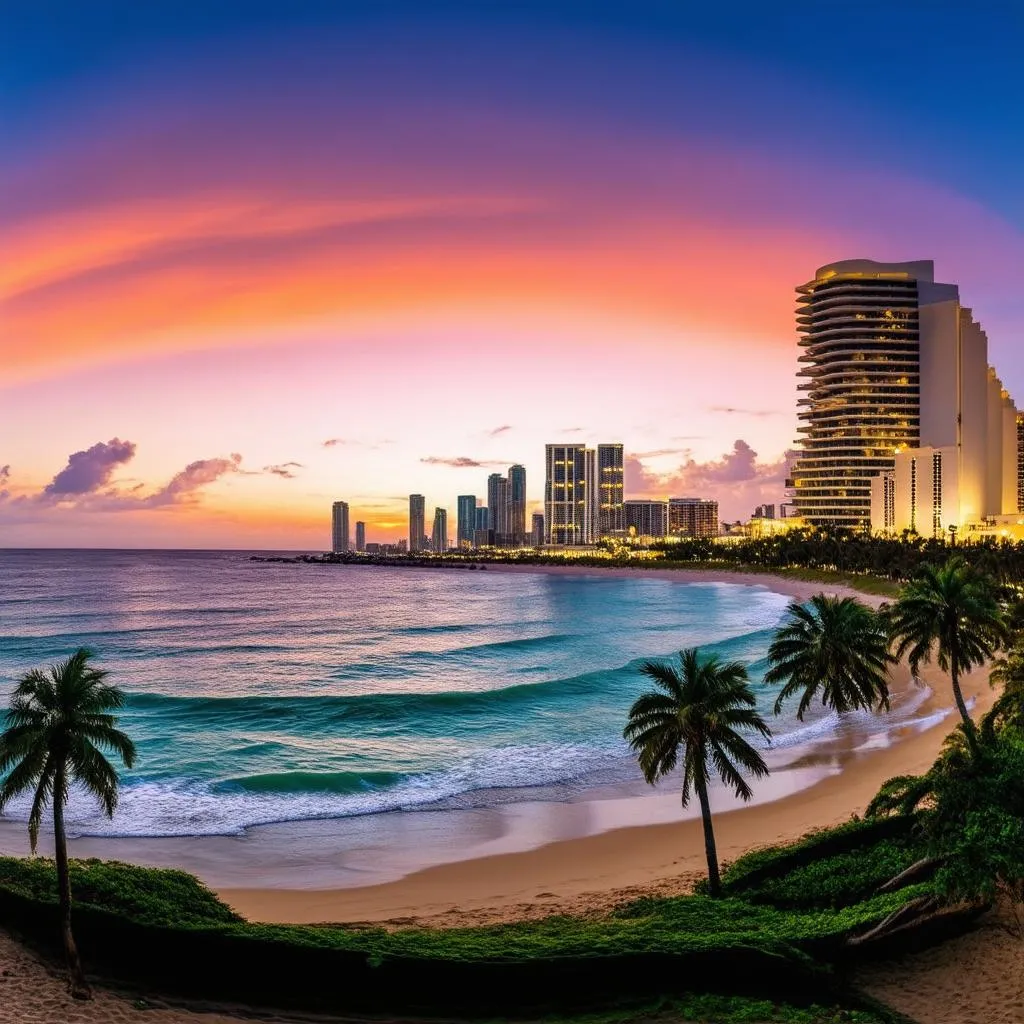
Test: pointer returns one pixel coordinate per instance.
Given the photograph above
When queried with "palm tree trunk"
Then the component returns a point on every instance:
(958, 696)
(710, 850)
(76, 976)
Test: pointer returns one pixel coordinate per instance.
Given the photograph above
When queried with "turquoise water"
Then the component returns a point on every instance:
(264, 692)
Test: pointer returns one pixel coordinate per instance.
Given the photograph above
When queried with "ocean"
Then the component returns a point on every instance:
(265, 692)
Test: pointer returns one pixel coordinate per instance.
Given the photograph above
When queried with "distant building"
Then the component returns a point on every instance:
(516, 505)
(439, 542)
(466, 521)
(482, 537)
(373, 548)
(498, 507)
(339, 527)
(537, 533)
(646, 518)
(611, 515)
(570, 494)
(360, 536)
(417, 521)
(764, 512)
(693, 517)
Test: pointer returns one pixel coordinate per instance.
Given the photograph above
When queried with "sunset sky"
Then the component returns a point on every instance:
(258, 256)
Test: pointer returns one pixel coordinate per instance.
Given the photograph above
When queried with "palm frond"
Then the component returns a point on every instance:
(58, 726)
(696, 719)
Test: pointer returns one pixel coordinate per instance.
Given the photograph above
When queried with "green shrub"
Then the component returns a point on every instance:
(752, 869)
(150, 895)
(839, 880)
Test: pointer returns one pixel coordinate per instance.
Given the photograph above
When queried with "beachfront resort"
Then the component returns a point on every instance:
(906, 430)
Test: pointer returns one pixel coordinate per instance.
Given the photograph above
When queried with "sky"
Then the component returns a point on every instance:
(259, 256)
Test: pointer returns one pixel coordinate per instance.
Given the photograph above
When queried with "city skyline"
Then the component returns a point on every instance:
(251, 263)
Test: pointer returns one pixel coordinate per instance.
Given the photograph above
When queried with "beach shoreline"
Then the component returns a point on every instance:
(546, 851)
(788, 586)
(593, 873)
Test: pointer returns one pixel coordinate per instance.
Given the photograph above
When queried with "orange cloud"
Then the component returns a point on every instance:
(126, 290)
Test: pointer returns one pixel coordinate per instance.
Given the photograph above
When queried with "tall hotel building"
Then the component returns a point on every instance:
(417, 521)
(898, 400)
(439, 535)
(570, 494)
(360, 536)
(611, 511)
(517, 505)
(498, 508)
(465, 530)
(339, 527)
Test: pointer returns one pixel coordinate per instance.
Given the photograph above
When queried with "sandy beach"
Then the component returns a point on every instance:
(595, 872)
(528, 854)
(589, 873)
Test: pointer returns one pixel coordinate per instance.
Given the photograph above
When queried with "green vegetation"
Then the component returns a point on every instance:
(165, 928)
(152, 896)
(58, 726)
(834, 646)
(699, 708)
(895, 559)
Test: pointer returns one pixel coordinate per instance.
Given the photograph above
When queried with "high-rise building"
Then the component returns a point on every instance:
(360, 536)
(610, 484)
(570, 494)
(466, 521)
(498, 508)
(537, 533)
(893, 364)
(764, 512)
(646, 518)
(1020, 462)
(339, 527)
(417, 521)
(482, 537)
(439, 542)
(693, 517)
(516, 505)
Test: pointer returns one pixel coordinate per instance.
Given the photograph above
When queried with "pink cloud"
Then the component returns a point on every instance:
(736, 480)
(89, 470)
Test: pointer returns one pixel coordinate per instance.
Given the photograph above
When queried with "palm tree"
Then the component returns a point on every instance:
(58, 725)
(698, 707)
(953, 611)
(832, 645)
(1008, 710)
